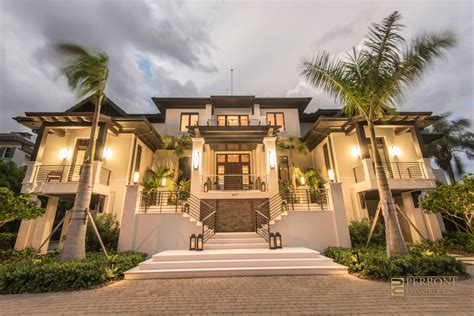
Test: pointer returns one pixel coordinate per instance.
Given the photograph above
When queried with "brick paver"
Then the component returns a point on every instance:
(277, 294)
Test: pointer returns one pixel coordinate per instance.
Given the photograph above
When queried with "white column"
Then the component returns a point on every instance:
(369, 171)
(416, 217)
(129, 215)
(336, 200)
(272, 173)
(427, 170)
(197, 173)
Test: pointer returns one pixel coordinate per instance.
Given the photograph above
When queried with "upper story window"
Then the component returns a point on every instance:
(7, 152)
(276, 118)
(232, 120)
(188, 119)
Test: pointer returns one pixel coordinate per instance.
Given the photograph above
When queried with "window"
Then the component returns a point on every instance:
(283, 168)
(138, 158)
(232, 120)
(276, 119)
(188, 119)
(327, 161)
(7, 152)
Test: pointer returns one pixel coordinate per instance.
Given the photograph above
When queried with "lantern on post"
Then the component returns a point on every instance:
(278, 242)
(192, 242)
(272, 241)
(200, 242)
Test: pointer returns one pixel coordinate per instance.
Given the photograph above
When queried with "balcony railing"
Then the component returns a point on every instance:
(395, 170)
(66, 173)
(235, 122)
(306, 198)
(231, 182)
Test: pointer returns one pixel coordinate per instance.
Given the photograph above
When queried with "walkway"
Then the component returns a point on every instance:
(270, 295)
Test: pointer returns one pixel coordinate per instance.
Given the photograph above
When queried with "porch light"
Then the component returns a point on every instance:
(331, 175)
(271, 239)
(200, 242)
(192, 242)
(136, 177)
(302, 180)
(107, 154)
(278, 242)
(395, 151)
(356, 151)
(271, 159)
(65, 153)
(196, 159)
(163, 182)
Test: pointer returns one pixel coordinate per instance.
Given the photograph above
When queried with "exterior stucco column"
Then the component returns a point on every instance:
(369, 171)
(272, 173)
(341, 227)
(427, 170)
(197, 173)
(415, 215)
(130, 210)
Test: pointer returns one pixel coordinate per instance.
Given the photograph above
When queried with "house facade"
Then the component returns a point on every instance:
(240, 178)
(16, 146)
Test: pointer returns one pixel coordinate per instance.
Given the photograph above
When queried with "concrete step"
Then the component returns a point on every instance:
(233, 245)
(235, 254)
(235, 235)
(234, 263)
(235, 240)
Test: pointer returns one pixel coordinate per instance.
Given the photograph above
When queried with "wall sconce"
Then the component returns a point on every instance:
(192, 242)
(271, 159)
(136, 177)
(200, 243)
(65, 153)
(356, 151)
(331, 175)
(163, 182)
(107, 154)
(196, 159)
(278, 242)
(302, 180)
(395, 151)
(272, 241)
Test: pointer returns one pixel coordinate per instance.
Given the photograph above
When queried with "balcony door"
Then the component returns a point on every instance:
(233, 171)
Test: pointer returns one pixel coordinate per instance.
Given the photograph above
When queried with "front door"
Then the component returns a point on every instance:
(233, 171)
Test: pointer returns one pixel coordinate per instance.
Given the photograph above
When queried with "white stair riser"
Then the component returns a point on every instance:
(234, 240)
(236, 235)
(194, 256)
(234, 263)
(237, 246)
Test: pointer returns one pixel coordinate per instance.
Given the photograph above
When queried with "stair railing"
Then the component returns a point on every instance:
(262, 225)
(209, 226)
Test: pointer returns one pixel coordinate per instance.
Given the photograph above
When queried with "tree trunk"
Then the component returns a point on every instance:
(176, 172)
(394, 238)
(75, 243)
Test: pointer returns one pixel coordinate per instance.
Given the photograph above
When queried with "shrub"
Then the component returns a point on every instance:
(359, 231)
(374, 263)
(7, 240)
(457, 241)
(48, 274)
(109, 229)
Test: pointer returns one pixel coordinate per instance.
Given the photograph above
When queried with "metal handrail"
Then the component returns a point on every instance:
(234, 182)
(309, 198)
(209, 226)
(262, 226)
(395, 170)
(66, 173)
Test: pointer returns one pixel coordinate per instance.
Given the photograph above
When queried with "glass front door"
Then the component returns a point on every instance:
(233, 171)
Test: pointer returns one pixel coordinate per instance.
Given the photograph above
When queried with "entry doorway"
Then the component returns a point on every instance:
(233, 171)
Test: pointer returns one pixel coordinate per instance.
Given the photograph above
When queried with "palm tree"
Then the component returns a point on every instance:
(153, 178)
(11, 176)
(371, 82)
(292, 145)
(178, 144)
(457, 139)
(86, 73)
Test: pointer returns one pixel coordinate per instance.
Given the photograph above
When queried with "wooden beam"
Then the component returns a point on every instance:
(57, 131)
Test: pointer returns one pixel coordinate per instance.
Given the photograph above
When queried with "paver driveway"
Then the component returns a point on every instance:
(277, 294)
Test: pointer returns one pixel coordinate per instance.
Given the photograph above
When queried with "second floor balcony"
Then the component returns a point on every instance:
(65, 174)
(234, 182)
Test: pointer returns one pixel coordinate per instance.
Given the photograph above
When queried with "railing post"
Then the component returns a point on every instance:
(321, 199)
(176, 207)
(398, 168)
(308, 199)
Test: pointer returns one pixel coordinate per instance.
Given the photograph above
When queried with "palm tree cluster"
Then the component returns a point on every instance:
(370, 82)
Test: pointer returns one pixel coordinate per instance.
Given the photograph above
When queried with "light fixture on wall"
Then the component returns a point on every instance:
(331, 175)
(356, 151)
(302, 180)
(65, 153)
(395, 151)
(196, 159)
(136, 177)
(107, 154)
(163, 182)
(271, 159)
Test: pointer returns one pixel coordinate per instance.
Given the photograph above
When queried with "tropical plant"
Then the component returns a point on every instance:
(178, 144)
(292, 145)
(154, 179)
(17, 207)
(454, 202)
(370, 82)
(11, 176)
(86, 73)
(457, 138)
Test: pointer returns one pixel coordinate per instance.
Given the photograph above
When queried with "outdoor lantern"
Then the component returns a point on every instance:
(163, 182)
(206, 187)
(65, 153)
(107, 154)
(136, 177)
(278, 242)
(331, 175)
(395, 151)
(263, 187)
(200, 242)
(302, 180)
(271, 159)
(272, 241)
(192, 242)
(356, 151)
(196, 160)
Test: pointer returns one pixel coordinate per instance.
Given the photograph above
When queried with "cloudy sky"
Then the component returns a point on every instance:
(176, 48)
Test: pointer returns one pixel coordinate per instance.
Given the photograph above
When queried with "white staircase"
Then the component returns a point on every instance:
(234, 262)
(236, 241)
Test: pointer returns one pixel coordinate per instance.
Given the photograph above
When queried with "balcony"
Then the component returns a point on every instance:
(401, 175)
(234, 182)
(236, 122)
(65, 174)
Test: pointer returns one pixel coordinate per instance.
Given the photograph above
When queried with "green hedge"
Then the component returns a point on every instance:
(7, 240)
(359, 232)
(457, 241)
(109, 230)
(30, 274)
(373, 263)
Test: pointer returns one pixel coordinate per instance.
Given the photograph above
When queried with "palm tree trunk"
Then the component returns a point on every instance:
(176, 172)
(395, 243)
(75, 243)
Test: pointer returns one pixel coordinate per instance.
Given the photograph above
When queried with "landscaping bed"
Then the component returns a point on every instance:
(22, 272)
